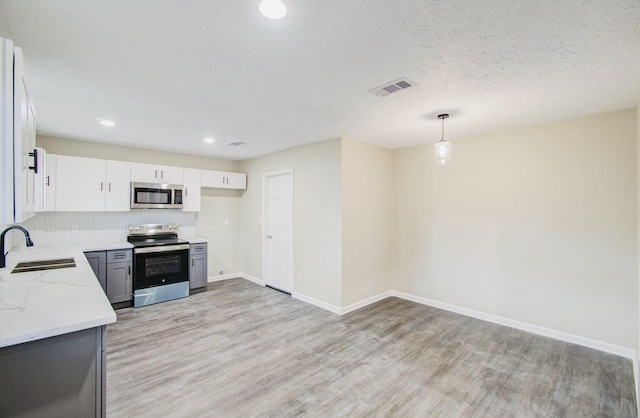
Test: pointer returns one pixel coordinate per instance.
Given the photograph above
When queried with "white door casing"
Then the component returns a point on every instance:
(278, 230)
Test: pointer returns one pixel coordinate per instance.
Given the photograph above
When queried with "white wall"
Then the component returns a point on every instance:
(224, 253)
(367, 207)
(317, 219)
(537, 225)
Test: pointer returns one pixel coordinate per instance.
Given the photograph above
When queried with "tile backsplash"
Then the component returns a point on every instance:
(54, 228)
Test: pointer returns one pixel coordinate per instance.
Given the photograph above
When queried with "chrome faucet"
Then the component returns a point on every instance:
(7, 229)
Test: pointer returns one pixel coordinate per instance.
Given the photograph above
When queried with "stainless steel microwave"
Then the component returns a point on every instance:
(156, 196)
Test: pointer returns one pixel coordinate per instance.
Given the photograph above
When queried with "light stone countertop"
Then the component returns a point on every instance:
(194, 240)
(43, 304)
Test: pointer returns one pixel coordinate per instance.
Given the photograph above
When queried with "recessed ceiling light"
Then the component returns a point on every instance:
(106, 122)
(273, 9)
(209, 140)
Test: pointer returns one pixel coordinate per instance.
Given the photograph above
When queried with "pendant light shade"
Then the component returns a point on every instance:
(443, 148)
(273, 9)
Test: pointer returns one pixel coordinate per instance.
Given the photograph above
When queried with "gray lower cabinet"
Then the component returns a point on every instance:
(98, 262)
(61, 376)
(119, 283)
(113, 270)
(197, 266)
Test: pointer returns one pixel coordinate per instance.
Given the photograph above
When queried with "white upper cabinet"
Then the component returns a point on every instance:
(118, 190)
(191, 192)
(237, 181)
(223, 180)
(150, 173)
(26, 164)
(91, 185)
(50, 182)
(17, 138)
(80, 184)
(40, 181)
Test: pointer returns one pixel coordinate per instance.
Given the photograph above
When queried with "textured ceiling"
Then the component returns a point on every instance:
(171, 72)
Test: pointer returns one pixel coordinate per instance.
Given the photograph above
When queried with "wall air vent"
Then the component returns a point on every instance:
(392, 87)
(235, 143)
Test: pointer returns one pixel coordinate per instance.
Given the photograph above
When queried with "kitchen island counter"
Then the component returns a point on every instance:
(42, 304)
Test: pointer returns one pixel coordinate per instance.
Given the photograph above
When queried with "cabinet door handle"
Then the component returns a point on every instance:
(48, 181)
(101, 186)
(34, 154)
(109, 186)
(192, 262)
(161, 174)
(129, 267)
(186, 192)
(155, 175)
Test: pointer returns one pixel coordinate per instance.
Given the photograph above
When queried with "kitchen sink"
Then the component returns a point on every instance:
(58, 263)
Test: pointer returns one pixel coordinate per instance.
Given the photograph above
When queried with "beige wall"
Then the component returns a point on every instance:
(537, 225)
(137, 155)
(367, 207)
(638, 237)
(317, 223)
(217, 206)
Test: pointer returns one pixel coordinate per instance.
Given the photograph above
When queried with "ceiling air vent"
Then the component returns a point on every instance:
(392, 87)
(235, 143)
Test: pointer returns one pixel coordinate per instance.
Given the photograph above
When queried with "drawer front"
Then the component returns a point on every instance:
(198, 249)
(118, 256)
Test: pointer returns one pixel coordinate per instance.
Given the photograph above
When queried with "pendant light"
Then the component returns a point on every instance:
(273, 9)
(443, 148)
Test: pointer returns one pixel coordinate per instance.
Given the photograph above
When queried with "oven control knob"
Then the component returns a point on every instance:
(164, 280)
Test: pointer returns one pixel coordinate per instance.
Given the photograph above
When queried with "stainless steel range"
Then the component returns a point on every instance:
(160, 263)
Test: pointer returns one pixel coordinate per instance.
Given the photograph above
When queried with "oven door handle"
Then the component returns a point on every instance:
(144, 294)
(160, 249)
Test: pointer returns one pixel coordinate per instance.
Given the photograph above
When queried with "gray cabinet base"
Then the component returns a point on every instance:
(62, 376)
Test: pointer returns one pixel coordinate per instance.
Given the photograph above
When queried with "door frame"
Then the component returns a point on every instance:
(264, 220)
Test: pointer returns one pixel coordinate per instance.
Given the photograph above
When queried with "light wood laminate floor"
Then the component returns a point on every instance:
(242, 350)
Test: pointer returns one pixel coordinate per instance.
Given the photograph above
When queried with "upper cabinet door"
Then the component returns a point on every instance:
(150, 173)
(144, 173)
(236, 180)
(80, 184)
(24, 137)
(191, 191)
(210, 178)
(171, 175)
(223, 180)
(50, 182)
(117, 186)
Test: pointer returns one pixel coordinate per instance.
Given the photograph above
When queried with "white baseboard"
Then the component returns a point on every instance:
(234, 276)
(318, 303)
(523, 326)
(636, 372)
(219, 278)
(250, 278)
(365, 302)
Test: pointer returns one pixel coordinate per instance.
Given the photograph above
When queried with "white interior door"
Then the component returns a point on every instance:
(278, 230)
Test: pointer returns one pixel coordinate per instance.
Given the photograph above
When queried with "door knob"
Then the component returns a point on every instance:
(269, 236)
